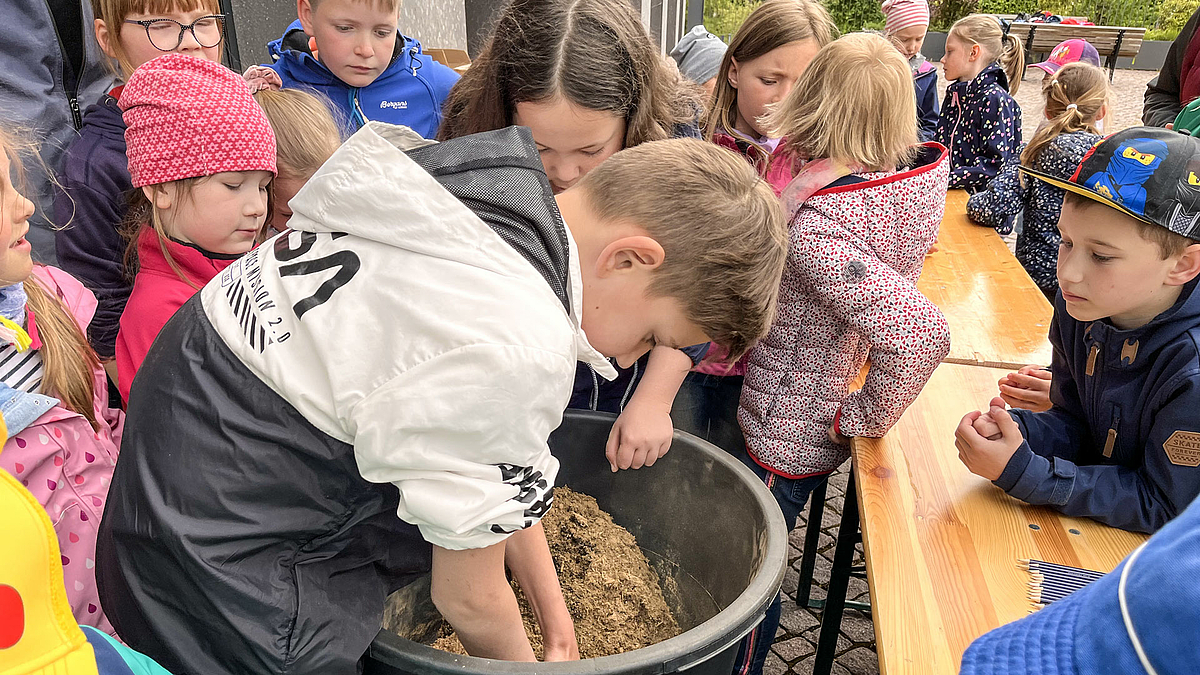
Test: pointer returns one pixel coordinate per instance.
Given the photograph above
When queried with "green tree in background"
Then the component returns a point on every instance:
(723, 17)
(1163, 19)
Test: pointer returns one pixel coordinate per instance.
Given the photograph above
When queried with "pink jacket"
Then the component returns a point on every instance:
(157, 293)
(67, 464)
(848, 294)
(777, 173)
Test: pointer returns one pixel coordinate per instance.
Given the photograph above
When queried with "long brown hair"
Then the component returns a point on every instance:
(771, 25)
(594, 53)
(1074, 97)
(999, 46)
(68, 362)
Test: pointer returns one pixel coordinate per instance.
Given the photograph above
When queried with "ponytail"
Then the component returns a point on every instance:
(999, 45)
(68, 362)
(1074, 96)
(1012, 60)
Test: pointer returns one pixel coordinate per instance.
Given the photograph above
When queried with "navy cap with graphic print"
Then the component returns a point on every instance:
(1147, 173)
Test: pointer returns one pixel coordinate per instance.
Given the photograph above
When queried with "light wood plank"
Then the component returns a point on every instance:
(942, 544)
(997, 315)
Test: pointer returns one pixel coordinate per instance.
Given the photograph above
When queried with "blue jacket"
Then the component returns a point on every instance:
(410, 91)
(1122, 442)
(981, 125)
(91, 205)
(925, 81)
(1005, 197)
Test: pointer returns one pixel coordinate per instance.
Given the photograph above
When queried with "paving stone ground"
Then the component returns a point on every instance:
(795, 643)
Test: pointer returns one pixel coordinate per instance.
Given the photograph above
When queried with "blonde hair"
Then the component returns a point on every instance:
(1074, 97)
(999, 45)
(114, 12)
(68, 361)
(305, 131)
(771, 25)
(143, 214)
(593, 53)
(872, 124)
(739, 255)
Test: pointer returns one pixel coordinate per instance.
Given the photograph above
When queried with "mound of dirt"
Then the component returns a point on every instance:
(614, 597)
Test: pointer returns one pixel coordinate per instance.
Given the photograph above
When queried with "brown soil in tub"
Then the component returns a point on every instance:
(612, 593)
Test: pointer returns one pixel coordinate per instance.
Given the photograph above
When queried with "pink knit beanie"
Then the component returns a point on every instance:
(900, 14)
(189, 117)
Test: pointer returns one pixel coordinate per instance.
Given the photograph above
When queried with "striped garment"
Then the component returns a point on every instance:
(21, 370)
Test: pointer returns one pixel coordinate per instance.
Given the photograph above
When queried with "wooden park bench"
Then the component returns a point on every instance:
(1110, 41)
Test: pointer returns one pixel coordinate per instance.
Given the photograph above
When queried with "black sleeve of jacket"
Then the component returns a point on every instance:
(1162, 104)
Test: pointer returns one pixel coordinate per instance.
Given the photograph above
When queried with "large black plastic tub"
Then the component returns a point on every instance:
(708, 526)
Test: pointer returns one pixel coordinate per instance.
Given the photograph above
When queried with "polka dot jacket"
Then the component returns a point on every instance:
(1005, 197)
(67, 465)
(848, 294)
(981, 125)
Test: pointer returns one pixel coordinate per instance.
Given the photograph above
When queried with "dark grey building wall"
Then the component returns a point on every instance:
(436, 23)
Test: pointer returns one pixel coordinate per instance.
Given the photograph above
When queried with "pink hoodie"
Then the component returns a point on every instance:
(67, 464)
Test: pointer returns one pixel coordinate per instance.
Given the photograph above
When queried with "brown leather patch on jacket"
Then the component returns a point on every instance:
(1183, 448)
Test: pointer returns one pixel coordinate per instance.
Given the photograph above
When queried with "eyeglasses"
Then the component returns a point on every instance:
(167, 34)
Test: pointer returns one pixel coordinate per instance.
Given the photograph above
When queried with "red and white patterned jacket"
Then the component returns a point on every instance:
(848, 294)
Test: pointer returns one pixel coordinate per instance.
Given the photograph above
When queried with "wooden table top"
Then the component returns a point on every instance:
(942, 544)
(997, 315)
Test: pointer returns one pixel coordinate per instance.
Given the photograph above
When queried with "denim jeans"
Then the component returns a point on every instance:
(706, 406)
(791, 494)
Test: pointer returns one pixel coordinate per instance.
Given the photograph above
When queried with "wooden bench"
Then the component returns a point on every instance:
(1110, 41)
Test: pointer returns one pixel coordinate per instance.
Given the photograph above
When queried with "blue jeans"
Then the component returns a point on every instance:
(791, 494)
(706, 406)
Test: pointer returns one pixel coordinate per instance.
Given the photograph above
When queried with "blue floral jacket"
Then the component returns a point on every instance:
(981, 125)
(1006, 197)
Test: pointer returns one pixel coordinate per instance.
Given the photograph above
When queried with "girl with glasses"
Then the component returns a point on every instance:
(95, 181)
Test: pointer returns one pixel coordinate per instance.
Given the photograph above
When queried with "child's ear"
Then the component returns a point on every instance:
(976, 50)
(1186, 268)
(304, 13)
(104, 38)
(732, 76)
(1103, 112)
(159, 196)
(629, 253)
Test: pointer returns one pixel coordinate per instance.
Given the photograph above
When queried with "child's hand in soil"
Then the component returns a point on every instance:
(1028, 388)
(562, 652)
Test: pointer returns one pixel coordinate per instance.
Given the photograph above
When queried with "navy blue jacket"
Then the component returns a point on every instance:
(410, 91)
(1006, 196)
(981, 125)
(925, 82)
(1122, 442)
(91, 205)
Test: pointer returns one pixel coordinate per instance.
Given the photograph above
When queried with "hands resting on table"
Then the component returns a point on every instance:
(986, 440)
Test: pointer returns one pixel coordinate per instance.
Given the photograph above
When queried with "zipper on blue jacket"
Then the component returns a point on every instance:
(356, 112)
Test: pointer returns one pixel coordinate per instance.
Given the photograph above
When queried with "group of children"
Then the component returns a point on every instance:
(725, 262)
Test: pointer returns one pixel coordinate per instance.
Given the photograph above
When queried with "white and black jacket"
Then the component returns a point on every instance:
(394, 364)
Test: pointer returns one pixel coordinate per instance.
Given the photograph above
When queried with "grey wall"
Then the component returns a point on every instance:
(436, 23)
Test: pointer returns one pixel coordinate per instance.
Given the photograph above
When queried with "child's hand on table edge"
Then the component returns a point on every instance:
(984, 456)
